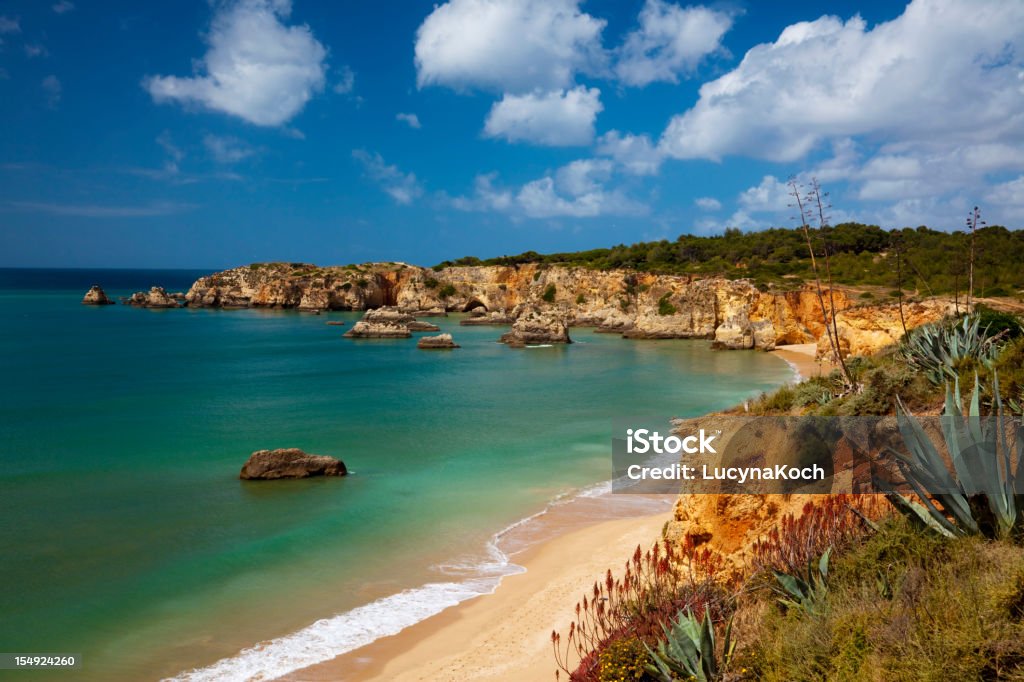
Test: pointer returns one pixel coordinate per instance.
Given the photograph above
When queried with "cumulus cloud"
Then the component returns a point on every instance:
(708, 203)
(402, 187)
(9, 25)
(36, 50)
(581, 189)
(556, 119)
(256, 67)
(635, 153)
(670, 41)
(512, 46)
(63, 7)
(227, 149)
(771, 194)
(944, 69)
(411, 120)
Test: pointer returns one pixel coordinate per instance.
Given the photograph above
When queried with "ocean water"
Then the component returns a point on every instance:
(128, 539)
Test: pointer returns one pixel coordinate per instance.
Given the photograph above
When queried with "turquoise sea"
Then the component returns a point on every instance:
(128, 539)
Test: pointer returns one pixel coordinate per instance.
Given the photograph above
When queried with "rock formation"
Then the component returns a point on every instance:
(439, 342)
(156, 297)
(96, 296)
(482, 318)
(732, 313)
(377, 330)
(864, 330)
(289, 463)
(535, 328)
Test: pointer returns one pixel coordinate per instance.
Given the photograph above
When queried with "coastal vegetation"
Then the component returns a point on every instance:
(918, 260)
(895, 586)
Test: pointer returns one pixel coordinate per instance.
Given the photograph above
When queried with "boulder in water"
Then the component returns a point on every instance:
(269, 465)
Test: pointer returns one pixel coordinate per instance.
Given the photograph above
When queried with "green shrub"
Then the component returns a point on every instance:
(580, 299)
(903, 606)
(1006, 325)
(549, 293)
(624, 660)
(431, 283)
(362, 283)
(447, 291)
(867, 296)
(665, 307)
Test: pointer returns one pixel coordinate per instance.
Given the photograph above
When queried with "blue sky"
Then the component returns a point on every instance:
(212, 134)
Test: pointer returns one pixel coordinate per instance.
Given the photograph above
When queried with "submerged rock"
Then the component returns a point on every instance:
(439, 341)
(96, 296)
(156, 297)
(535, 328)
(289, 463)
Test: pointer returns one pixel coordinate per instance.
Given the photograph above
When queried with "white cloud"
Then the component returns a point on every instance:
(36, 50)
(512, 46)
(346, 81)
(554, 119)
(486, 196)
(9, 25)
(708, 203)
(771, 194)
(227, 149)
(671, 40)
(256, 67)
(412, 120)
(944, 70)
(402, 187)
(577, 190)
(63, 7)
(635, 153)
(52, 90)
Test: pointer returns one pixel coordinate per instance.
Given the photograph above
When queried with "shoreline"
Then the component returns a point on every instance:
(802, 358)
(504, 634)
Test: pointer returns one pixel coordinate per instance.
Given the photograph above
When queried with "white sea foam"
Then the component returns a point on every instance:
(340, 634)
(345, 632)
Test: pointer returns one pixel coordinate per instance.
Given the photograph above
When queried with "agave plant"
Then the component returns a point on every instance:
(981, 495)
(689, 651)
(938, 349)
(807, 593)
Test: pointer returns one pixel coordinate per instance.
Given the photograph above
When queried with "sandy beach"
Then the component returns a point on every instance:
(505, 635)
(801, 356)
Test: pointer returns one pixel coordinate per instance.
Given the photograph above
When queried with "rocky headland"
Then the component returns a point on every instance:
(289, 463)
(735, 314)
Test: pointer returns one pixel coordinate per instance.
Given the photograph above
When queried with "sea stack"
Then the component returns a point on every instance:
(267, 465)
(157, 297)
(534, 328)
(441, 341)
(96, 296)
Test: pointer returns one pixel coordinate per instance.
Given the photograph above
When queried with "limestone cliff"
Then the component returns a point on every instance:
(733, 313)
